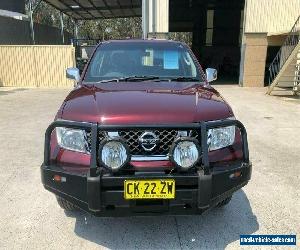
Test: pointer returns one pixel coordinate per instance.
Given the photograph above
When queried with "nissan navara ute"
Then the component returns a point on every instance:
(144, 133)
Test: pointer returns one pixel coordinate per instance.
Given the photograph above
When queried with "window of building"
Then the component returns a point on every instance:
(209, 27)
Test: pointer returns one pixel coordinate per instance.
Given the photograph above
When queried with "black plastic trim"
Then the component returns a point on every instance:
(96, 194)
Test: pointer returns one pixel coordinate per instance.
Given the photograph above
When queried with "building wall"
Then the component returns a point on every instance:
(254, 60)
(271, 16)
(36, 66)
(266, 24)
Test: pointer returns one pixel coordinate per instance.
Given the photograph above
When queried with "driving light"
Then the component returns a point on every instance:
(185, 152)
(113, 154)
(220, 137)
(72, 139)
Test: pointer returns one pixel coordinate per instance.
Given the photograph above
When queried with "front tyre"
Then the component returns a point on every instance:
(224, 202)
(66, 205)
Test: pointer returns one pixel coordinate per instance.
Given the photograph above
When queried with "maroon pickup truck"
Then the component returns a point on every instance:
(144, 133)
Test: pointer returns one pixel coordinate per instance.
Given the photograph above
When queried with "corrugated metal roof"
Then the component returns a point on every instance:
(98, 9)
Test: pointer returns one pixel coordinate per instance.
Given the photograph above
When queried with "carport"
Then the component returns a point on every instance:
(97, 9)
(89, 10)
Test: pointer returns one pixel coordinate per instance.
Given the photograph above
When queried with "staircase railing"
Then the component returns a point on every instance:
(285, 51)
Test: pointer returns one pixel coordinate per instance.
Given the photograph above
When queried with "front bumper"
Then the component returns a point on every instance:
(103, 195)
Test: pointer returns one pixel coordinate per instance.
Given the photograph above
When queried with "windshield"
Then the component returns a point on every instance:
(144, 60)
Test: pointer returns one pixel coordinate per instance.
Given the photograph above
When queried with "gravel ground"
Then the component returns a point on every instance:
(31, 219)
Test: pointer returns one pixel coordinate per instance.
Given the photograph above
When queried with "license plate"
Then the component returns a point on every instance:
(149, 189)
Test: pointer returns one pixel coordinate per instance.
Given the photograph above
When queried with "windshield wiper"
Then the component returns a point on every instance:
(130, 79)
(140, 78)
(109, 80)
(146, 78)
(185, 79)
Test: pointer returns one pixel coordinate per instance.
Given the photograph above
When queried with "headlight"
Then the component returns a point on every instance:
(185, 152)
(72, 139)
(220, 137)
(113, 154)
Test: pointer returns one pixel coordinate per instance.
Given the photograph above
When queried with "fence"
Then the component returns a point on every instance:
(17, 32)
(36, 66)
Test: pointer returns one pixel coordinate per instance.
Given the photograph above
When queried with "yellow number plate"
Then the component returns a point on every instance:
(149, 189)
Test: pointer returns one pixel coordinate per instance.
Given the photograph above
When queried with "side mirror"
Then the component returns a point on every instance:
(211, 74)
(73, 73)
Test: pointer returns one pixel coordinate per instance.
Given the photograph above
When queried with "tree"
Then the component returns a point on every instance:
(46, 14)
(116, 28)
(102, 29)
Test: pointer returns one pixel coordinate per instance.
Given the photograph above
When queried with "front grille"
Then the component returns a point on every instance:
(101, 136)
(165, 140)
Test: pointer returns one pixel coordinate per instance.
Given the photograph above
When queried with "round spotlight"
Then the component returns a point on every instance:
(185, 152)
(113, 154)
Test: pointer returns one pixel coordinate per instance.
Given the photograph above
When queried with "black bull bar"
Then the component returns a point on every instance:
(94, 178)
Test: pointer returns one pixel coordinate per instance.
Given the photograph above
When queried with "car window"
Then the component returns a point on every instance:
(117, 60)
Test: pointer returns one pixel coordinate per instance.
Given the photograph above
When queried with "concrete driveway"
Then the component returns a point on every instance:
(31, 219)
